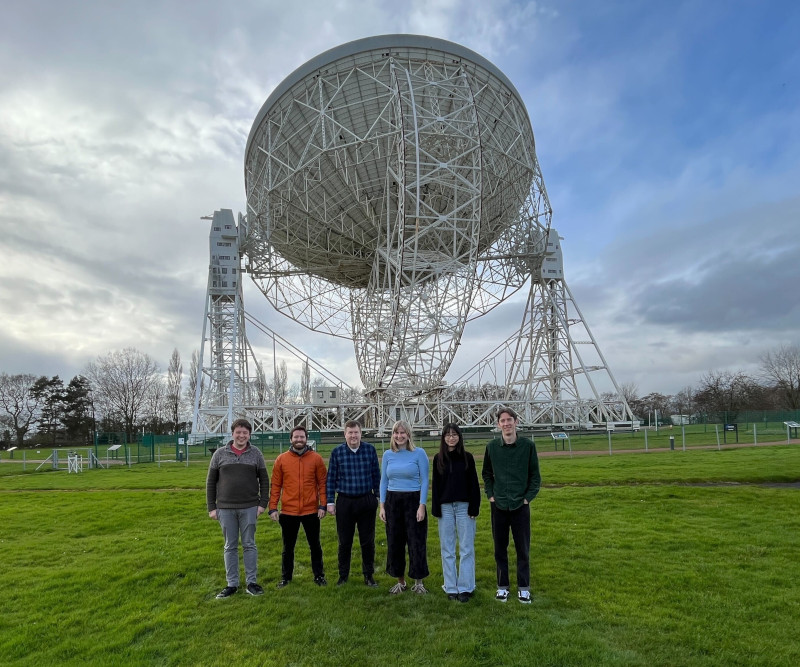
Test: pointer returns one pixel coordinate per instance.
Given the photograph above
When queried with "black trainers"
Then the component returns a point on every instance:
(321, 580)
(283, 583)
(452, 596)
(342, 581)
(464, 596)
(227, 592)
(369, 580)
(255, 589)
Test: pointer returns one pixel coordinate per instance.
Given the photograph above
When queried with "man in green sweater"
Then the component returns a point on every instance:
(237, 493)
(511, 479)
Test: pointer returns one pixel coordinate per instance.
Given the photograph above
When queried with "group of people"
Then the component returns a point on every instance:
(354, 486)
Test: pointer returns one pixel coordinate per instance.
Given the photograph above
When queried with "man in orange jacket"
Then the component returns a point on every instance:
(298, 481)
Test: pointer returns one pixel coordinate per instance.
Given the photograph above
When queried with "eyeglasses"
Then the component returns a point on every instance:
(451, 435)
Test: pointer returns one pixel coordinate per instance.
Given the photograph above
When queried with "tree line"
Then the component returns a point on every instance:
(126, 391)
(775, 387)
(122, 391)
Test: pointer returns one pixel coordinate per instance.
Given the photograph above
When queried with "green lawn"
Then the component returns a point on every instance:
(668, 558)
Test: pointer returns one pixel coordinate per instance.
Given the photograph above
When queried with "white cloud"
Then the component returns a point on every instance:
(669, 157)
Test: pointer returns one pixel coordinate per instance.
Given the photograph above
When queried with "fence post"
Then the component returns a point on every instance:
(755, 435)
(645, 440)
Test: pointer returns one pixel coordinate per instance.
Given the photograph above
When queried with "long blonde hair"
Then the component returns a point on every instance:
(407, 428)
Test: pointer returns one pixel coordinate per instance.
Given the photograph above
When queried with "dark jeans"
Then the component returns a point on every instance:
(403, 528)
(519, 521)
(356, 512)
(290, 527)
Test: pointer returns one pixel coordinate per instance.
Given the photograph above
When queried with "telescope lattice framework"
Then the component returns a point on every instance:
(393, 194)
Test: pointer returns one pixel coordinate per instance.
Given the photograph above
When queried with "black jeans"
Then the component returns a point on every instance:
(356, 512)
(290, 527)
(519, 521)
(403, 528)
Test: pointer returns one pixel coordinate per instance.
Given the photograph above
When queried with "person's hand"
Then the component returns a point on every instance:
(491, 500)
(213, 514)
(524, 502)
(421, 513)
(274, 515)
(382, 513)
(260, 510)
(332, 509)
(320, 513)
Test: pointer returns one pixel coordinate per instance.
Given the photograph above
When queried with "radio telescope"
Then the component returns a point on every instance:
(393, 194)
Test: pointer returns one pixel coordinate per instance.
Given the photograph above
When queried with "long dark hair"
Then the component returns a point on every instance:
(444, 452)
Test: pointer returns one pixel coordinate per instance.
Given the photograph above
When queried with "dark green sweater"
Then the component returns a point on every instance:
(511, 472)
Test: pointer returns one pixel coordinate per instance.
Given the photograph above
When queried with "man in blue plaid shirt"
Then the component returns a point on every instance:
(354, 479)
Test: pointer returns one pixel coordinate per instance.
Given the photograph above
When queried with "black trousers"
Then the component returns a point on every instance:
(519, 522)
(402, 528)
(290, 527)
(356, 512)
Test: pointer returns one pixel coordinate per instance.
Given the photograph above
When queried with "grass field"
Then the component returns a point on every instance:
(668, 558)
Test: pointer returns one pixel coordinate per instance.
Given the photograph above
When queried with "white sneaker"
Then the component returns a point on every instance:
(419, 588)
(502, 595)
(524, 597)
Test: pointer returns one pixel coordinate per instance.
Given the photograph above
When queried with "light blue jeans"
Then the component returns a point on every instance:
(455, 523)
(237, 523)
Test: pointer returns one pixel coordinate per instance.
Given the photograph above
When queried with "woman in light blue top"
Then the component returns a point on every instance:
(404, 494)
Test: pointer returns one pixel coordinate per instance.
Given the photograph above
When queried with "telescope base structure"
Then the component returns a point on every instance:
(549, 372)
(572, 415)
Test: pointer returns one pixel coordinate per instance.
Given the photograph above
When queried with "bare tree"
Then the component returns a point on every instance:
(261, 386)
(20, 402)
(305, 383)
(121, 381)
(683, 402)
(655, 403)
(191, 385)
(728, 392)
(630, 392)
(351, 395)
(174, 388)
(156, 416)
(782, 368)
(281, 384)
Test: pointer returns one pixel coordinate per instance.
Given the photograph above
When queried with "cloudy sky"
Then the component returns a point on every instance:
(668, 135)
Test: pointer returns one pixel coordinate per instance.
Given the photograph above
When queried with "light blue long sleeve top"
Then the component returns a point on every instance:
(405, 471)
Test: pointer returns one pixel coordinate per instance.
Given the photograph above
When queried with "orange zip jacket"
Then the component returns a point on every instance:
(298, 480)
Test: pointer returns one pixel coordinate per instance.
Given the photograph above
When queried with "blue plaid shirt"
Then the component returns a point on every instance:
(353, 473)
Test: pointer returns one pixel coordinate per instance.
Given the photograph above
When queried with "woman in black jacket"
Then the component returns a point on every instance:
(456, 503)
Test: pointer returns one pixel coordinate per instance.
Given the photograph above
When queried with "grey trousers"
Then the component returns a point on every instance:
(236, 523)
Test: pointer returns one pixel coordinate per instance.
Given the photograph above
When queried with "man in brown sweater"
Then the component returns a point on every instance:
(237, 493)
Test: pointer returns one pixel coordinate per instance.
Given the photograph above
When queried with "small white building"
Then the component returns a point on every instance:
(325, 395)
